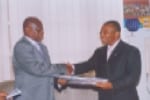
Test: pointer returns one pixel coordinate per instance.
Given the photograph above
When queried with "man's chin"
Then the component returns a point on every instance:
(104, 43)
(39, 40)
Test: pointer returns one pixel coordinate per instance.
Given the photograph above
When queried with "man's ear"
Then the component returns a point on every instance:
(27, 28)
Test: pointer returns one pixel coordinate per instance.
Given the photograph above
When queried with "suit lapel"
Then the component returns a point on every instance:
(105, 54)
(115, 52)
(45, 53)
(25, 40)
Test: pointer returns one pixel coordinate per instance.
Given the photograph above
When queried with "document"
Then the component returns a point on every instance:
(13, 93)
(77, 80)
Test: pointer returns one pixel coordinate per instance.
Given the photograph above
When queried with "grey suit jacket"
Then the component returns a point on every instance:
(33, 73)
(123, 70)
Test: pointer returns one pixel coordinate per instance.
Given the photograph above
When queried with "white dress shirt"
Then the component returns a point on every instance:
(110, 48)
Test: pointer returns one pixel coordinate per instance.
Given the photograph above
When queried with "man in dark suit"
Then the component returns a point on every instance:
(117, 61)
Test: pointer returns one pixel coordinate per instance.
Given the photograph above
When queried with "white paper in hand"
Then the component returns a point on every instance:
(81, 80)
(14, 93)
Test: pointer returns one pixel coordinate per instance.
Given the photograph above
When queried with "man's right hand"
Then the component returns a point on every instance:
(62, 82)
(3, 95)
(69, 68)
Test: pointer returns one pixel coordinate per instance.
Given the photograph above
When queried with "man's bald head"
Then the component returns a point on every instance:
(33, 28)
(32, 20)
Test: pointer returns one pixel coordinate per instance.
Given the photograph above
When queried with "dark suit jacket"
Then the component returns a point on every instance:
(122, 69)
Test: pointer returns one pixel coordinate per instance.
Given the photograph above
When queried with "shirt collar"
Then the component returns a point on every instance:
(112, 47)
(33, 42)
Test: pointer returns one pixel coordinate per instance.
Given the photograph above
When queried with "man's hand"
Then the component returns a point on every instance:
(62, 82)
(104, 85)
(69, 68)
(3, 95)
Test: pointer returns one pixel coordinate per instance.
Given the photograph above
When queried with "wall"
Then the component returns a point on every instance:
(72, 34)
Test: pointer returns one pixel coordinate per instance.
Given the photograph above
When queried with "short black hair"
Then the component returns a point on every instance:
(30, 20)
(115, 24)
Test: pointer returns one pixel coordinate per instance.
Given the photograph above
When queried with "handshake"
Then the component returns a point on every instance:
(70, 71)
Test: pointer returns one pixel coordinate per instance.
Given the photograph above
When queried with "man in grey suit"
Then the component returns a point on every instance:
(33, 69)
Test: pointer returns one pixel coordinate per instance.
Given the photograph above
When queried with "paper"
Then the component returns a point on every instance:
(81, 80)
(14, 93)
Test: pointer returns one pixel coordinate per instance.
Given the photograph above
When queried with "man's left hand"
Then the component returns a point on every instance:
(104, 85)
(3, 95)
